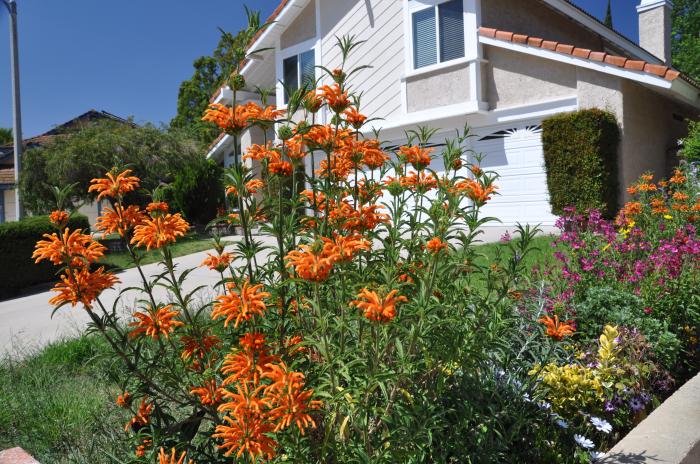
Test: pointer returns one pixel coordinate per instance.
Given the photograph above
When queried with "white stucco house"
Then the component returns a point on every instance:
(501, 66)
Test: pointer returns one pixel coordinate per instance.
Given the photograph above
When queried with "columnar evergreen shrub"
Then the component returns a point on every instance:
(580, 154)
(198, 190)
(17, 240)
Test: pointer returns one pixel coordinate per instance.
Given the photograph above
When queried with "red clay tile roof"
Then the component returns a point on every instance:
(7, 176)
(667, 73)
(218, 139)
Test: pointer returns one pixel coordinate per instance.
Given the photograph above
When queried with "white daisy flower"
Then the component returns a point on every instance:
(601, 424)
(584, 442)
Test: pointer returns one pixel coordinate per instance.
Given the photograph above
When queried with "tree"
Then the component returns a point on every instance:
(686, 37)
(198, 190)
(5, 136)
(193, 99)
(79, 156)
(608, 15)
(210, 72)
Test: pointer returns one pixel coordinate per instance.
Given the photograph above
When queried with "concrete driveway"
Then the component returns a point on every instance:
(26, 323)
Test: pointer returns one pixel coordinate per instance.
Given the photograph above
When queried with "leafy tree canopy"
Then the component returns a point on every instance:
(686, 37)
(5, 135)
(210, 72)
(79, 156)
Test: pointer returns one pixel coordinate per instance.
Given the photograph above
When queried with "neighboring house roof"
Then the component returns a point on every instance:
(663, 71)
(89, 117)
(7, 176)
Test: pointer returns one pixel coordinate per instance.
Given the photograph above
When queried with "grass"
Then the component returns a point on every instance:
(542, 253)
(192, 243)
(58, 404)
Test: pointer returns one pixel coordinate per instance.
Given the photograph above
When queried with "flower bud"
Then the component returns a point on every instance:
(285, 132)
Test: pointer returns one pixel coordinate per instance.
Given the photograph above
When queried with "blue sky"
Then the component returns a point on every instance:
(128, 57)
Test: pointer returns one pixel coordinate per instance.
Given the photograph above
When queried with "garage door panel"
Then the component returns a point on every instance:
(516, 155)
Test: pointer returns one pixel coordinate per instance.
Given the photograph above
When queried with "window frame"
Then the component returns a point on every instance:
(415, 6)
(309, 46)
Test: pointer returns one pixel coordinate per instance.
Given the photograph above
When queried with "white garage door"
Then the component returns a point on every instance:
(515, 153)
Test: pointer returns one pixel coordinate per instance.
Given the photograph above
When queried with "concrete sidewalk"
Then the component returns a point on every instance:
(26, 323)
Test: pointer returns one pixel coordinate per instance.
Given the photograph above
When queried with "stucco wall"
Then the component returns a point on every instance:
(598, 90)
(532, 17)
(380, 24)
(302, 28)
(91, 211)
(514, 79)
(652, 126)
(655, 32)
(439, 88)
(10, 206)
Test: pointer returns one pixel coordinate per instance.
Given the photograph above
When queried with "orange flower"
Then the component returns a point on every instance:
(477, 192)
(269, 114)
(678, 177)
(281, 168)
(632, 189)
(141, 449)
(124, 401)
(72, 248)
(647, 178)
(422, 181)
(555, 329)
(354, 117)
(435, 245)
(209, 394)
(142, 417)
(247, 434)
(312, 102)
(680, 196)
(259, 152)
(377, 309)
(647, 187)
(335, 98)
(159, 231)
(343, 249)
(155, 323)
(416, 156)
(59, 218)
(81, 286)
(631, 209)
(114, 186)
(120, 220)
(658, 206)
(171, 458)
(240, 305)
(248, 364)
(217, 263)
(229, 120)
(311, 263)
(157, 207)
(291, 402)
(198, 347)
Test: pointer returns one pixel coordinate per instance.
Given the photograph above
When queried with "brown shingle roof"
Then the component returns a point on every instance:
(7, 176)
(667, 73)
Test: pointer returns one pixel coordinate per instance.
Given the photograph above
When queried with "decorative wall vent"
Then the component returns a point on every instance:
(502, 134)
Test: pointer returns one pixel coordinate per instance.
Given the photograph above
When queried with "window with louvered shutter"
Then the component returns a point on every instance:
(290, 70)
(451, 17)
(424, 38)
(307, 70)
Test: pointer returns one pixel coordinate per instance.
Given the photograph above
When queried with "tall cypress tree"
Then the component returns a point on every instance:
(608, 15)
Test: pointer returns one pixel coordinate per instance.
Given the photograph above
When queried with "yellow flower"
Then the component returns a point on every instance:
(668, 217)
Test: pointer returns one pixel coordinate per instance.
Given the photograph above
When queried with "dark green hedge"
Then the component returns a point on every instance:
(17, 240)
(580, 155)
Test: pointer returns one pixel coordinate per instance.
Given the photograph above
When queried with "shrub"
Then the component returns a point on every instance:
(17, 240)
(580, 154)
(690, 146)
(198, 190)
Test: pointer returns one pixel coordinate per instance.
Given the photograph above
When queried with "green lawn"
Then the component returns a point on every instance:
(58, 404)
(192, 243)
